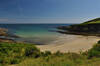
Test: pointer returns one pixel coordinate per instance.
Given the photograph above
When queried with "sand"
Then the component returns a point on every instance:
(70, 43)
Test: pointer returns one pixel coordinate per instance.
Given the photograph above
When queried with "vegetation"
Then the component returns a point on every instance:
(13, 53)
(21, 54)
(61, 61)
(88, 58)
(93, 21)
(95, 51)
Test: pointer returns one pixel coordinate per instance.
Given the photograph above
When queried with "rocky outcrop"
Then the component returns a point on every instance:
(6, 36)
(86, 28)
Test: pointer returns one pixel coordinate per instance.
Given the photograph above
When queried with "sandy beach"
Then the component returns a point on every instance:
(70, 43)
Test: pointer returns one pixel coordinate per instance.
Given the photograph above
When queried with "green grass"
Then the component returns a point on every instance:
(89, 58)
(20, 54)
(65, 60)
(14, 53)
(94, 21)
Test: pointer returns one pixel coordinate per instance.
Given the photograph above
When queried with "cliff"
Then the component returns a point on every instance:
(91, 27)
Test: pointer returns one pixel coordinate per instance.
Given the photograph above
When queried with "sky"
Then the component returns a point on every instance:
(48, 11)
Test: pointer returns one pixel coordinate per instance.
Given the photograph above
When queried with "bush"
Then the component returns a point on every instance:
(13, 53)
(94, 52)
(58, 53)
(46, 53)
(15, 61)
(32, 52)
(99, 42)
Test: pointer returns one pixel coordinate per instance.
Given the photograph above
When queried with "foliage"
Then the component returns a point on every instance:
(98, 42)
(13, 53)
(64, 60)
(23, 54)
(88, 58)
(95, 51)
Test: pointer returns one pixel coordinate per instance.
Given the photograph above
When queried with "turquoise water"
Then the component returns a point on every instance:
(37, 33)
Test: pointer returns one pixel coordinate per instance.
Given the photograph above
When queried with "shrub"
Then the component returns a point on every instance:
(15, 61)
(58, 53)
(13, 53)
(98, 42)
(46, 53)
(94, 52)
(74, 56)
(32, 52)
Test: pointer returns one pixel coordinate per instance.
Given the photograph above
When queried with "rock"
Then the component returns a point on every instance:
(6, 36)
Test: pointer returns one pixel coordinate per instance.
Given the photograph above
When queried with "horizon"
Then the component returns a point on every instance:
(48, 11)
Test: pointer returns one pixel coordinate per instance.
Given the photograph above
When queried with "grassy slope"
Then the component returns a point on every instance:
(60, 61)
(90, 58)
(94, 21)
(20, 54)
(64, 60)
(14, 53)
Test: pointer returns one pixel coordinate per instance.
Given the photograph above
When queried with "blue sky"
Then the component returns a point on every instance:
(48, 11)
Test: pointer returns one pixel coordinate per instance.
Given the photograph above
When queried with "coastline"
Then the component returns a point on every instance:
(70, 43)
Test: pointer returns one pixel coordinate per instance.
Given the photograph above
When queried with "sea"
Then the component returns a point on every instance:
(35, 33)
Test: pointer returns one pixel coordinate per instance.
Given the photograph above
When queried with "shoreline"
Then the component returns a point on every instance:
(70, 43)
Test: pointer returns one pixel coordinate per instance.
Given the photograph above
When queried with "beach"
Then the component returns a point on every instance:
(70, 43)
(47, 39)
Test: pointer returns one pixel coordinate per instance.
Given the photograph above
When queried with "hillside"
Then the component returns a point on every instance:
(91, 27)
(93, 21)
(89, 58)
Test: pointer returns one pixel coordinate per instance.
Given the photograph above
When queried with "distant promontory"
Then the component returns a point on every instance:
(91, 27)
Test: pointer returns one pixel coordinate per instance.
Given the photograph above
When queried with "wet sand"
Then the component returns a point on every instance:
(70, 43)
